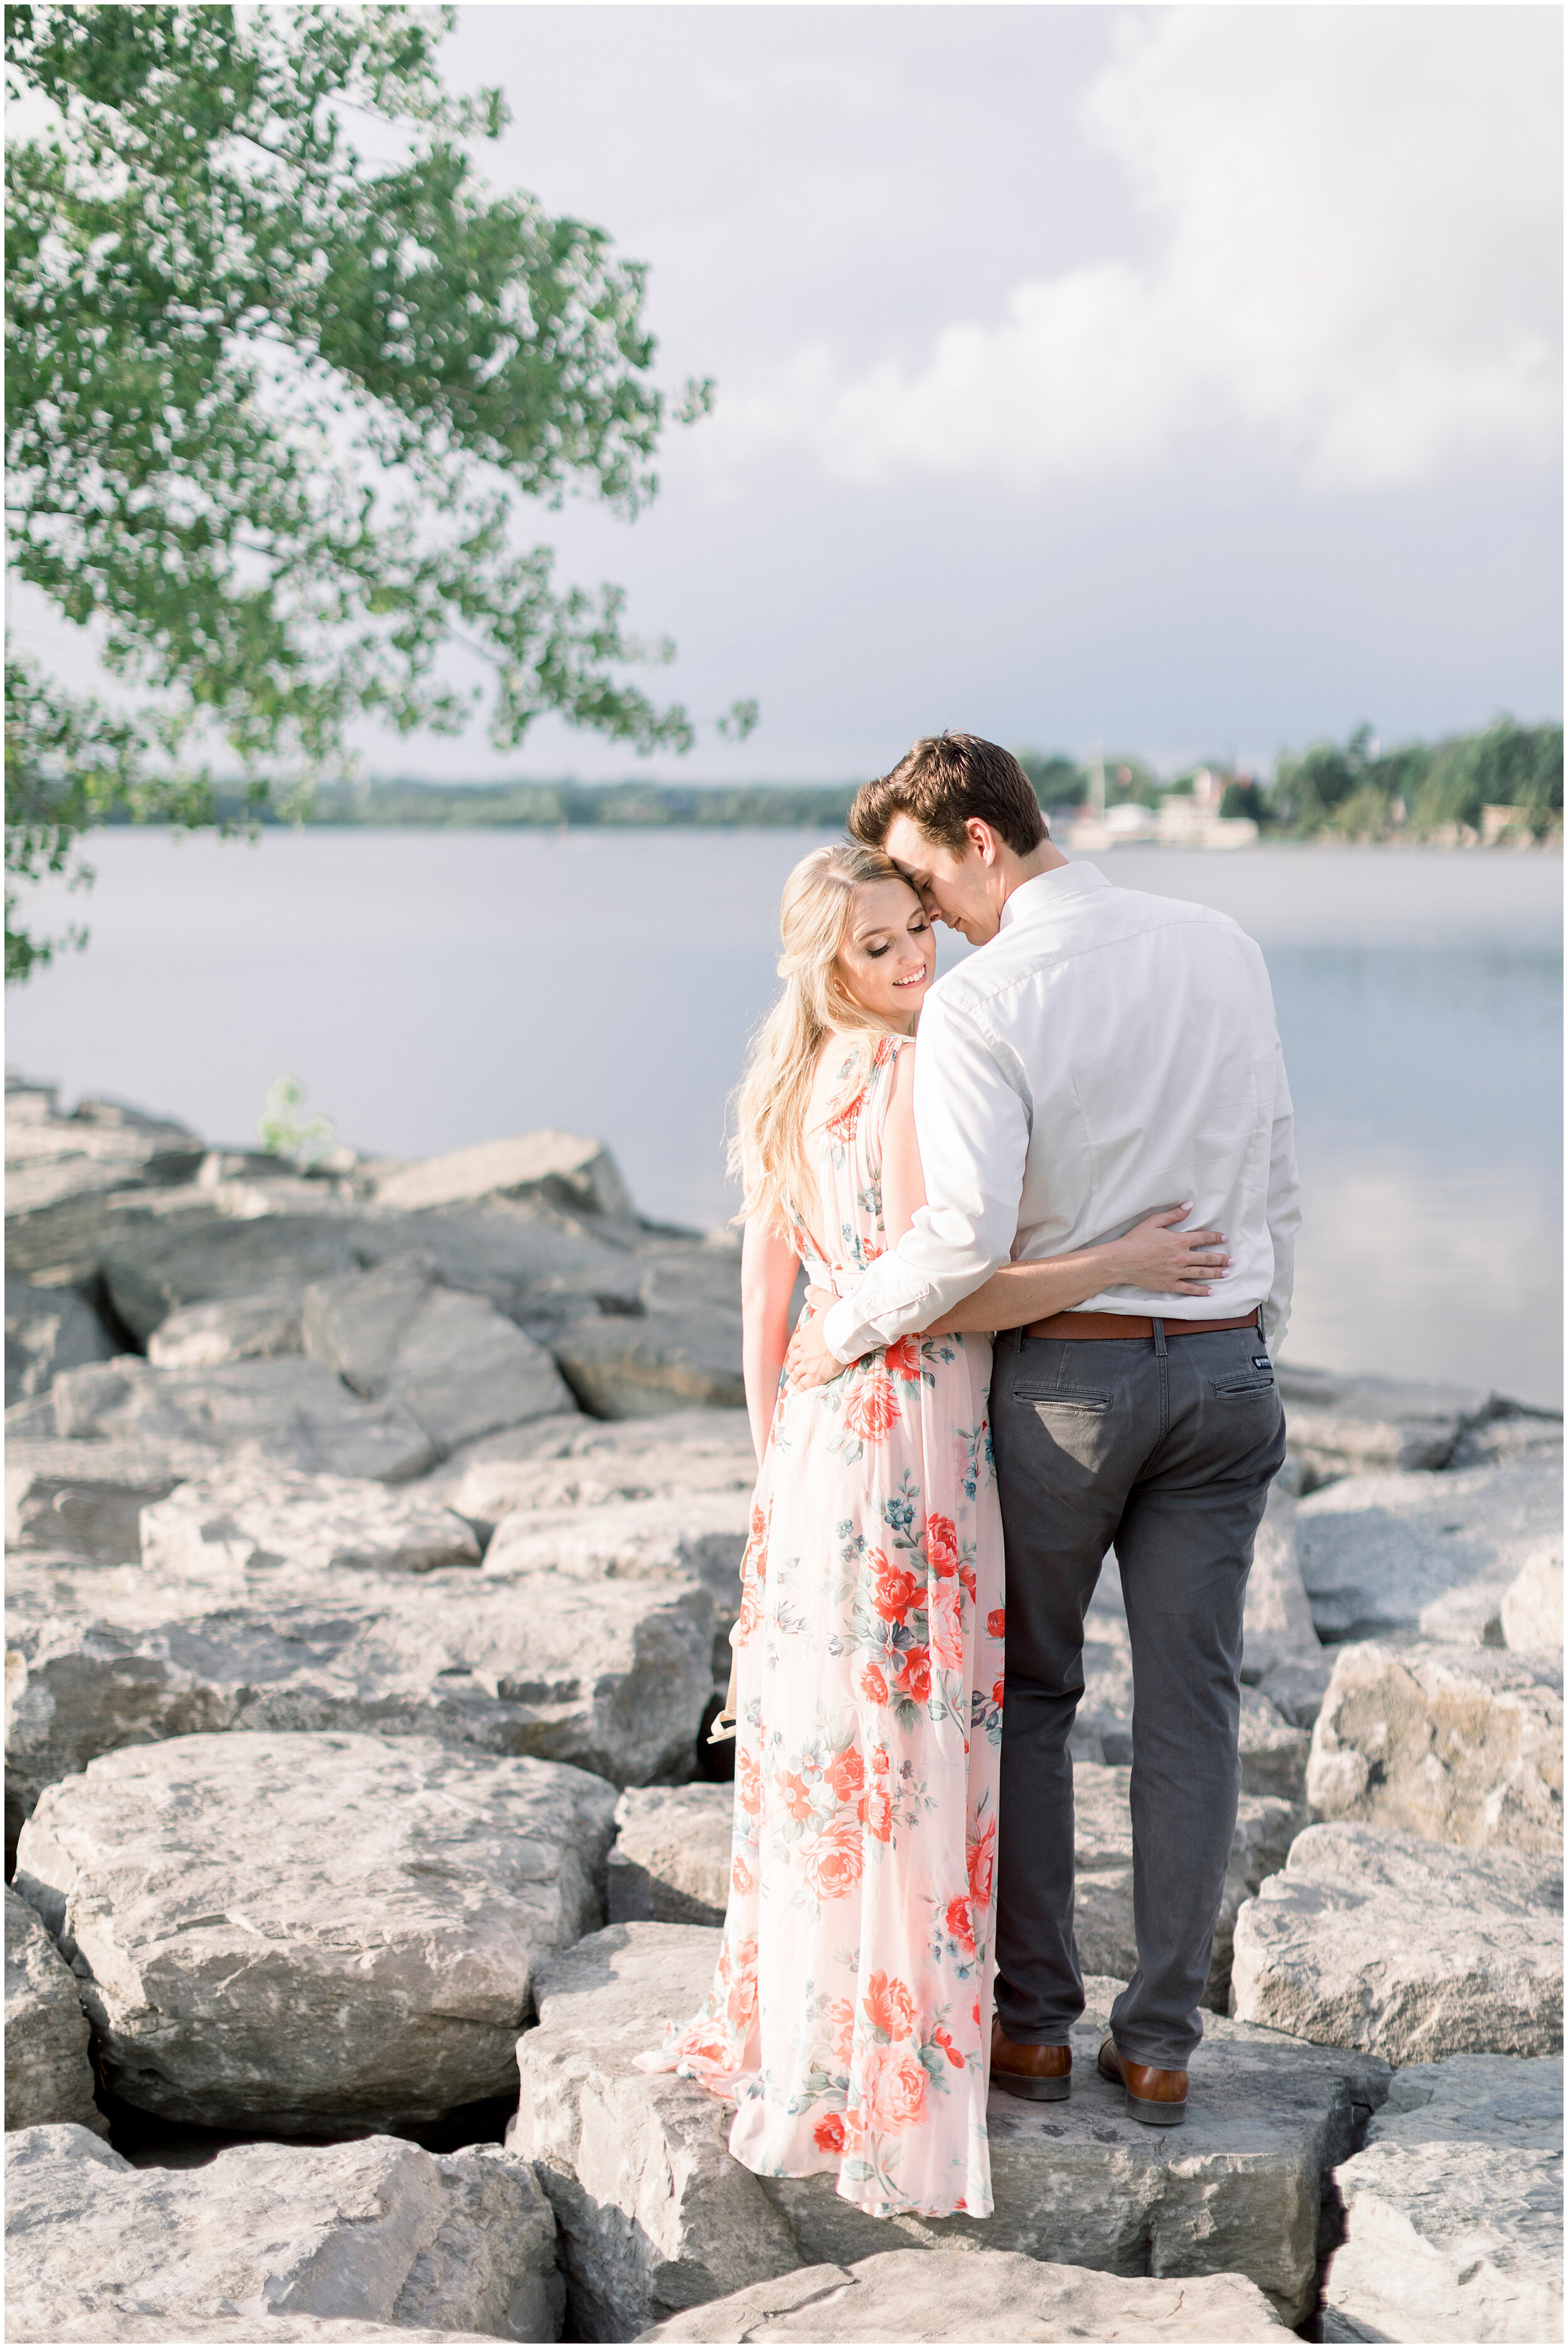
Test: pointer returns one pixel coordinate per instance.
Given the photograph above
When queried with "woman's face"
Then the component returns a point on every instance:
(888, 955)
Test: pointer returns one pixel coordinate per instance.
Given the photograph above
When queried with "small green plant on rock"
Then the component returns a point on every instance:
(285, 1131)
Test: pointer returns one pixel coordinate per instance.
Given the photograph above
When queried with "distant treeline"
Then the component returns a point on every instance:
(1354, 791)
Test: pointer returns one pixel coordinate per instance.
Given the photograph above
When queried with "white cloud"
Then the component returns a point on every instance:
(1354, 261)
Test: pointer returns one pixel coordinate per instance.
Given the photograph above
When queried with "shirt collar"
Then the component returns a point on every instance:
(1041, 896)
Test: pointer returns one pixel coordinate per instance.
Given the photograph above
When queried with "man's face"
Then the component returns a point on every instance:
(959, 888)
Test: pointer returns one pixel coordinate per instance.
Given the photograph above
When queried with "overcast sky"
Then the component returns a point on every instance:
(1182, 379)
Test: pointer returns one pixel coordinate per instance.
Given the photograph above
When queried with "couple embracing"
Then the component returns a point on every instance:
(1047, 1247)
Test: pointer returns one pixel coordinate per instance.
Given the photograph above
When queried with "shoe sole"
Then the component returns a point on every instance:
(1139, 2107)
(1033, 2091)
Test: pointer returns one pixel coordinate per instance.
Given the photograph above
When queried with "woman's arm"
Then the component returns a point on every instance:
(1151, 1256)
(768, 1267)
(903, 1177)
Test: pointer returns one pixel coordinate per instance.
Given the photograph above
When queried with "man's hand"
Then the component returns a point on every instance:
(808, 1362)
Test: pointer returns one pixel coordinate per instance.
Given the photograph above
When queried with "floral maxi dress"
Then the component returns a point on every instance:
(850, 2013)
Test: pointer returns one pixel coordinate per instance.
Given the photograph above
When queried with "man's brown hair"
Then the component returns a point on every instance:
(941, 783)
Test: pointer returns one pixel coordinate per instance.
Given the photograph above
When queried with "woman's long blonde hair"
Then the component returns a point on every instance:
(768, 1148)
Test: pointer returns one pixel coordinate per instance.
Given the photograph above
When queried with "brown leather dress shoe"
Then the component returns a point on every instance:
(1158, 2098)
(1043, 2075)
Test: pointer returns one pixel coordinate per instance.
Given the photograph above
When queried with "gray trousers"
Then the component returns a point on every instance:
(1165, 1450)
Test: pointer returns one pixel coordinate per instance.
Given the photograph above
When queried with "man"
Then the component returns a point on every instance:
(1103, 1055)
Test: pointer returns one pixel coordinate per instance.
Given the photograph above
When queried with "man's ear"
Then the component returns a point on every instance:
(982, 838)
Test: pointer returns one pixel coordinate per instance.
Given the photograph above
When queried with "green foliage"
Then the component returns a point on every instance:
(1058, 781)
(1245, 798)
(283, 1129)
(1358, 792)
(484, 806)
(270, 405)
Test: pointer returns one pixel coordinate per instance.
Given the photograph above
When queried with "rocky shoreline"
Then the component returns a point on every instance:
(373, 1544)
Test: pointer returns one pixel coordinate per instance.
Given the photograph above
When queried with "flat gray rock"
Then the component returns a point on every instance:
(565, 1169)
(293, 1411)
(543, 1664)
(670, 1358)
(656, 2217)
(48, 2072)
(87, 1498)
(1266, 1828)
(62, 1210)
(373, 2233)
(1405, 1947)
(49, 2320)
(1277, 1627)
(977, 2295)
(1524, 1436)
(1464, 1744)
(308, 1931)
(670, 1863)
(581, 1463)
(48, 1330)
(460, 1366)
(1454, 2212)
(1338, 1425)
(153, 1266)
(228, 1329)
(1425, 1554)
(226, 1532)
(1531, 1609)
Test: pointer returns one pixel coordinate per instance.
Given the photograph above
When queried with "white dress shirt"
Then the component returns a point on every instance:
(1105, 1055)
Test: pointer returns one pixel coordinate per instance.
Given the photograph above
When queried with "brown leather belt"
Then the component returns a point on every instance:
(1128, 1324)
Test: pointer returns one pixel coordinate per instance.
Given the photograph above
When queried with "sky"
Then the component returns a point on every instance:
(1184, 380)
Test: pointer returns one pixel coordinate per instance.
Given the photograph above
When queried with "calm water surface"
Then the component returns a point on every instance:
(434, 988)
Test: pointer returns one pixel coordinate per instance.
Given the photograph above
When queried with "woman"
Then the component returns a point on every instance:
(850, 2013)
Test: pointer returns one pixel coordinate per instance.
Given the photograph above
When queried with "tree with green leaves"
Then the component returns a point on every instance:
(279, 369)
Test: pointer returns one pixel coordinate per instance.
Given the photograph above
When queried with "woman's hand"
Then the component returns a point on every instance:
(1169, 1263)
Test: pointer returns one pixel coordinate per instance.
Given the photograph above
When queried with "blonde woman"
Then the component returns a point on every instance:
(850, 2011)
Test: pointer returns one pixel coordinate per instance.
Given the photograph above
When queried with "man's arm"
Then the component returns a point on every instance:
(972, 1123)
(1284, 1207)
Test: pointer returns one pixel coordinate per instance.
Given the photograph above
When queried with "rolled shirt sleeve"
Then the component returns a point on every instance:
(1284, 1213)
(972, 1118)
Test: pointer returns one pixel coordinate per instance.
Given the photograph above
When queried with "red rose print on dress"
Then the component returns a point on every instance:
(903, 1360)
(888, 2006)
(915, 1673)
(828, 2133)
(982, 1861)
(846, 1774)
(832, 1861)
(942, 1544)
(944, 1612)
(997, 1687)
(896, 1589)
(841, 2016)
(997, 1622)
(960, 1923)
(741, 1876)
(872, 1407)
(941, 2038)
(749, 1778)
(892, 2090)
(794, 1796)
(877, 1810)
(873, 1686)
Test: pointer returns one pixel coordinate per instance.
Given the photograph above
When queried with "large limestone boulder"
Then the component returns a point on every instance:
(1427, 1554)
(977, 2295)
(456, 1365)
(372, 2233)
(656, 2217)
(667, 1360)
(542, 1267)
(563, 1170)
(1103, 1836)
(1338, 1425)
(87, 1498)
(65, 1174)
(313, 1932)
(1461, 1744)
(225, 1531)
(228, 1329)
(670, 1860)
(54, 2321)
(1277, 1626)
(49, 2071)
(1531, 1609)
(563, 1670)
(154, 1265)
(296, 1412)
(1405, 1947)
(48, 1330)
(583, 1463)
(1454, 2212)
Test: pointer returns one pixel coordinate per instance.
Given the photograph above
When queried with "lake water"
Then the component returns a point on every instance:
(433, 988)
